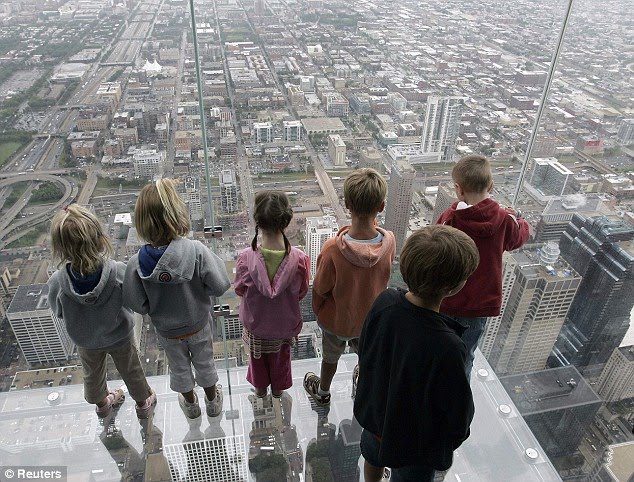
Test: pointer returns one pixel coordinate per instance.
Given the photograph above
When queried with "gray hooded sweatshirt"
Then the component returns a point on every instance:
(177, 293)
(97, 319)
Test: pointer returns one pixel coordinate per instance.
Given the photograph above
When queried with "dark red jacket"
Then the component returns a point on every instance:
(494, 230)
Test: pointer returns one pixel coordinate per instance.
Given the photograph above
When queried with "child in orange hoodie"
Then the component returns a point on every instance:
(352, 270)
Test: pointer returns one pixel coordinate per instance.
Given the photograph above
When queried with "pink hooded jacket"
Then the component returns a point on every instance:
(270, 310)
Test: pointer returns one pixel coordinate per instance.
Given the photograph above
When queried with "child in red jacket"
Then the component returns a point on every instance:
(494, 230)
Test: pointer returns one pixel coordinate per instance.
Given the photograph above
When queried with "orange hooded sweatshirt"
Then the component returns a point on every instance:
(349, 277)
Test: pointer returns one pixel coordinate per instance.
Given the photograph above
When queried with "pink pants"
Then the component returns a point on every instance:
(271, 369)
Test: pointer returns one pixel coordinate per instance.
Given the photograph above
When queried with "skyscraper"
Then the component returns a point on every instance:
(292, 131)
(345, 450)
(318, 231)
(560, 210)
(509, 264)
(542, 290)
(399, 201)
(262, 132)
(441, 125)
(191, 197)
(41, 335)
(617, 378)
(602, 251)
(229, 199)
(337, 150)
(625, 135)
(549, 176)
(445, 197)
(557, 404)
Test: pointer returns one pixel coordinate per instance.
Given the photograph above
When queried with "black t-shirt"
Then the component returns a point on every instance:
(413, 392)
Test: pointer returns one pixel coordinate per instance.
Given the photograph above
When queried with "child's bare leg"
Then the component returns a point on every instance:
(327, 373)
(372, 473)
(210, 392)
(189, 396)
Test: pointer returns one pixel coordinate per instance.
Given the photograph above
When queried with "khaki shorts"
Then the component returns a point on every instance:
(333, 346)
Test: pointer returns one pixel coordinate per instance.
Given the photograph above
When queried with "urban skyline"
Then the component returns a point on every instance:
(99, 97)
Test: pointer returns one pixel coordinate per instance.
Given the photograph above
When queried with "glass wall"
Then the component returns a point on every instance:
(234, 97)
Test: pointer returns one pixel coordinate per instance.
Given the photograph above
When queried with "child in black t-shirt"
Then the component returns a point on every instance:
(413, 397)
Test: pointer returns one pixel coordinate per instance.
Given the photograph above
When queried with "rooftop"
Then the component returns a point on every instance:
(619, 464)
(56, 426)
(547, 390)
(627, 352)
(29, 298)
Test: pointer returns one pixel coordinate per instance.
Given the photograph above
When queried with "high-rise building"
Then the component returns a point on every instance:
(306, 306)
(305, 346)
(370, 157)
(345, 450)
(191, 197)
(318, 231)
(557, 404)
(441, 125)
(549, 176)
(41, 335)
(617, 378)
(445, 197)
(292, 131)
(625, 135)
(560, 210)
(615, 465)
(493, 323)
(262, 132)
(602, 251)
(543, 287)
(399, 201)
(259, 6)
(307, 83)
(337, 150)
(229, 199)
(148, 163)
(209, 459)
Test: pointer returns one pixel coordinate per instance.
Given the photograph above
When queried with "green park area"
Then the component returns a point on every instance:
(46, 193)
(16, 192)
(7, 149)
(30, 238)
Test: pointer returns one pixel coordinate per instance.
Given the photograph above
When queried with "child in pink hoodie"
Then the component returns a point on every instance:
(271, 279)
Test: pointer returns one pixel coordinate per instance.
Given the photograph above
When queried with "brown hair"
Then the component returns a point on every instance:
(272, 212)
(473, 173)
(436, 259)
(160, 215)
(78, 237)
(364, 190)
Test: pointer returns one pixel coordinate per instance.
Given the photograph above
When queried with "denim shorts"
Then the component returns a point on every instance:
(370, 447)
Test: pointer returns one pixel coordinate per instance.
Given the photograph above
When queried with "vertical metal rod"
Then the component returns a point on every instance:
(203, 126)
(542, 104)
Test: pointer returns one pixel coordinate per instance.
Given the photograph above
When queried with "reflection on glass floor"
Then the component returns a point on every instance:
(287, 439)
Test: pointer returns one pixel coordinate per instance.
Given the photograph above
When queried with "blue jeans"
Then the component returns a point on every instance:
(410, 473)
(471, 337)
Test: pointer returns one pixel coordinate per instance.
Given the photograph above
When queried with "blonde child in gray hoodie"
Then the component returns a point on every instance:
(172, 279)
(86, 292)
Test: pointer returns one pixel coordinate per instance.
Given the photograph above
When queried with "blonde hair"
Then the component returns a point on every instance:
(364, 190)
(436, 259)
(473, 173)
(78, 237)
(160, 215)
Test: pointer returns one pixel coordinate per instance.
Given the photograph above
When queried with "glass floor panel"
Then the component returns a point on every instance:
(287, 439)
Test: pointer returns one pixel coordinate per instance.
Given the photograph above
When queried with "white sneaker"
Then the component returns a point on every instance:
(214, 407)
(191, 410)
